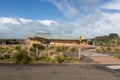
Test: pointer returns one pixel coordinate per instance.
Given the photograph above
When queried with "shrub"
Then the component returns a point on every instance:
(47, 59)
(47, 53)
(118, 56)
(3, 50)
(1, 56)
(61, 59)
(43, 54)
(72, 49)
(32, 49)
(60, 49)
(51, 47)
(39, 46)
(52, 56)
(100, 49)
(108, 49)
(17, 47)
(6, 55)
(22, 58)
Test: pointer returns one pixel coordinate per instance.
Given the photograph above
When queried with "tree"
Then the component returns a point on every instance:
(113, 36)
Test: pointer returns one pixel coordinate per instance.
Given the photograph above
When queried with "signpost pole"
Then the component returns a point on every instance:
(79, 47)
(79, 52)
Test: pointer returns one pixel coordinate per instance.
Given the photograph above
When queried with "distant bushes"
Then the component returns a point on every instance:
(100, 49)
(107, 49)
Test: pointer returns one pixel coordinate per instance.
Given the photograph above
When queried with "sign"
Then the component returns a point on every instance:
(80, 38)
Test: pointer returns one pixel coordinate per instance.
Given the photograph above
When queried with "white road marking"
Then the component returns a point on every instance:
(114, 67)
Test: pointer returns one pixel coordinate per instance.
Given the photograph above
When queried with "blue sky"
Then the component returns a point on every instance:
(89, 18)
(30, 9)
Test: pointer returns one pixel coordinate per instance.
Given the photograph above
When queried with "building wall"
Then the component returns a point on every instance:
(54, 42)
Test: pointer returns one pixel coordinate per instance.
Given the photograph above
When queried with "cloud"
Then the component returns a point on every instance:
(75, 8)
(89, 20)
(64, 6)
(48, 22)
(86, 26)
(17, 27)
(114, 5)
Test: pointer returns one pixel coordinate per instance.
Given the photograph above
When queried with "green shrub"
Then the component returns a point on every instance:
(47, 59)
(3, 50)
(108, 49)
(51, 47)
(22, 58)
(100, 49)
(72, 49)
(1, 57)
(47, 53)
(39, 46)
(32, 49)
(43, 54)
(61, 59)
(17, 47)
(60, 49)
(118, 56)
(6, 55)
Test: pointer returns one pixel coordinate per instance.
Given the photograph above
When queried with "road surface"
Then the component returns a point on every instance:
(57, 72)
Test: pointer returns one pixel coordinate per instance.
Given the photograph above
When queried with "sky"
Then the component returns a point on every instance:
(89, 18)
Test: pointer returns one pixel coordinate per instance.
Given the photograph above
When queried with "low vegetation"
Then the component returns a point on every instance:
(118, 56)
(107, 49)
(36, 53)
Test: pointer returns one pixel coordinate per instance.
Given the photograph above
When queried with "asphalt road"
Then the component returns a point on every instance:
(72, 54)
(57, 72)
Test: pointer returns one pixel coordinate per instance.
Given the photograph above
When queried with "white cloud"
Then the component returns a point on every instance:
(48, 22)
(114, 5)
(4, 20)
(24, 21)
(86, 26)
(16, 27)
(64, 6)
(90, 25)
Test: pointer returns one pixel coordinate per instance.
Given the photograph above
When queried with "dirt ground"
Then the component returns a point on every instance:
(57, 72)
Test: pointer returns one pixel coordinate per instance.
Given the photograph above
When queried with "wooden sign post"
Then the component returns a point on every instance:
(79, 47)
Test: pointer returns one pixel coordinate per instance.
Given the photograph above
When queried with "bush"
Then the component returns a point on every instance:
(6, 55)
(72, 49)
(32, 49)
(43, 54)
(47, 53)
(39, 46)
(61, 59)
(52, 56)
(3, 50)
(60, 49)
(1, 56)
(100, 49)
(108, 49)
(17, 47)
(47, 59)
(118, 56)
(22, 58)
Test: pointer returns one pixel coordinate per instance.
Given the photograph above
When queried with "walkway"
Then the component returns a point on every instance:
(105, 59)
